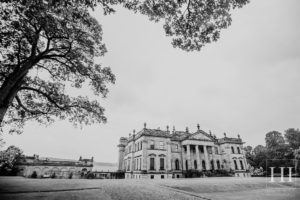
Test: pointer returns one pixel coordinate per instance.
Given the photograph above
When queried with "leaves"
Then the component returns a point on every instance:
(51, 46)
(190, 23)
(58, 40)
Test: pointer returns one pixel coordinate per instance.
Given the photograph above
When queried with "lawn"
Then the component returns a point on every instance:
(200, 188)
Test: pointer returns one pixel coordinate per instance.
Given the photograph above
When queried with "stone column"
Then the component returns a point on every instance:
(199, 166)
(188, 152)
(214, 157)
(132, 160)
(207, 164)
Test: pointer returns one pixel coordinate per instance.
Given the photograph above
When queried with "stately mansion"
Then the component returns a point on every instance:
(158, 154)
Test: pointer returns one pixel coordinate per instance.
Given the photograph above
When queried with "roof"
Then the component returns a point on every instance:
(230, 140)
(180, 136)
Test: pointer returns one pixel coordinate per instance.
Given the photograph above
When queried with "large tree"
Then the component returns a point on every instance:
(292, 137)
(47, 44)
(260, 156)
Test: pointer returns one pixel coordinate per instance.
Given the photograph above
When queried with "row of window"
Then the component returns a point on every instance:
(201, 149)
(233, 150)
(161, 145)
(161, 164)
(134, 148)
(137, 164)
(138, 146)
(236, 165)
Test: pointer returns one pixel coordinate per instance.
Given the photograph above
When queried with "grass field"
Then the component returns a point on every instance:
(200, 188)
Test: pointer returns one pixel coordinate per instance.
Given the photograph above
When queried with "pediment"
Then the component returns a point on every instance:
(199, 136)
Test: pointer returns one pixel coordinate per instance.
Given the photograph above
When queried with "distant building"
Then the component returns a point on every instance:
(155, 153)
(57, 168)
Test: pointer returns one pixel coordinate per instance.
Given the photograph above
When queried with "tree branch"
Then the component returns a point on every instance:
(45, 95)
(33, 112)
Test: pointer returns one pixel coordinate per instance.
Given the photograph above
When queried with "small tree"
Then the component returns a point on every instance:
(9, 160)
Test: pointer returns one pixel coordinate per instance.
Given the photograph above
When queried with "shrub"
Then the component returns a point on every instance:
(71, 175)
(90, 176)
(53, 175)
(34, 174)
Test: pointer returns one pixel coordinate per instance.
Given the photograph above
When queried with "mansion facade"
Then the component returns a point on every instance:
(159, 154)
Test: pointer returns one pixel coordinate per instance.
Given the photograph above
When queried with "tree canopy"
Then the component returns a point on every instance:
(292, 136)
(9, 159)
(47, 44)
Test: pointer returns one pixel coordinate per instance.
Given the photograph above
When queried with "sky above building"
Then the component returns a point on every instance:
(247, 83)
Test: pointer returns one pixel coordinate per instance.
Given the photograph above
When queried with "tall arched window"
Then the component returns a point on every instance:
(162, 164)
(239, 150)
(152, 164)
(177, 164)
(232, 149)
(212, 164)
(242, 165)
(235, 165)
(186, 165)
(218, 164)
(195, 164)
(203, 165)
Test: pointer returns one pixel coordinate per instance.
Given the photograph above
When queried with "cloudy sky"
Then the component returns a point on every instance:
(247, 83)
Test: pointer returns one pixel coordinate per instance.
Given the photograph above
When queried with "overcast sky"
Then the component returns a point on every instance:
(247, 83)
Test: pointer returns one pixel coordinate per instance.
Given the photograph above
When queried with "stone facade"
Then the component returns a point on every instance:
(54, 168)
(158, 154)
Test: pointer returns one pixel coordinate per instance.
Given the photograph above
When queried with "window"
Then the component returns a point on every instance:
(128, 165)
(203, 165)
(151, 163)
(212, 164)
(186, 165)
(129, 148)
(161, 145)
(218, 164)
(162, 176)
(141, 145)
(152, 176)
(242, 165)
(151, 145)
(238, 150)
(162, 164)
(195, 164)
(216, 150)
(177, 164)
(209, 150)
(175, 147)
(232, 149)
(140, 163)
(235, 165)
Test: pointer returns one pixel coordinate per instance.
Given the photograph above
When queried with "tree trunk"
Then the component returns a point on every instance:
(9, 90)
